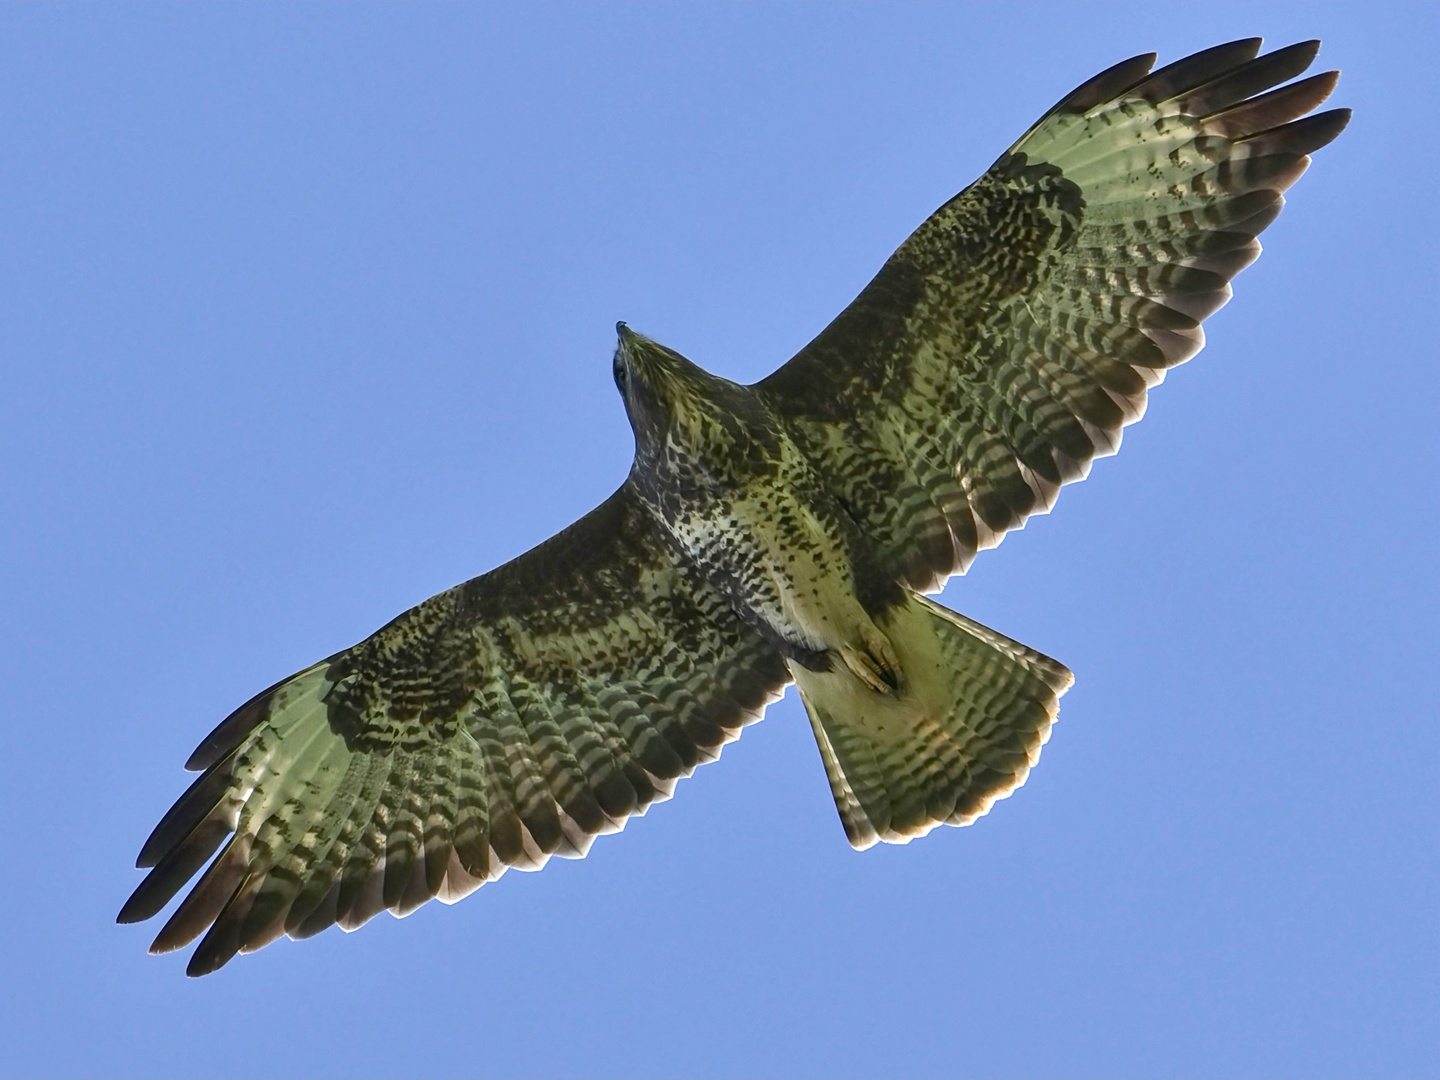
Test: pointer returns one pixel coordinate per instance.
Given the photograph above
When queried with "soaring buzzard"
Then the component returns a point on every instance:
(769, 533)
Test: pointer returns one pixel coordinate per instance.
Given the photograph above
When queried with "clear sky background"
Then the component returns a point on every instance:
(306, 313)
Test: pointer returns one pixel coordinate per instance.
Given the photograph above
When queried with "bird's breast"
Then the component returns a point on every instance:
(759, 527)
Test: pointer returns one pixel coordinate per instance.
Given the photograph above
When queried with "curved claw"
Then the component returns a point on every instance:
(874, 663)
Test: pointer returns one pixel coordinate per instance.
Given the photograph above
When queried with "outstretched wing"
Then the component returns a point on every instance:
(1015, 333)
(509, 719)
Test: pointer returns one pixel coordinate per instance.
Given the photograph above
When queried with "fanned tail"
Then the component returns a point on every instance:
(975, 709)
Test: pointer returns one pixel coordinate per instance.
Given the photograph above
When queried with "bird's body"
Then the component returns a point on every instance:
(747, 508)
(768, 534)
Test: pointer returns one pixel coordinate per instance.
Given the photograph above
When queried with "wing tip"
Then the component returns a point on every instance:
(1106, 85)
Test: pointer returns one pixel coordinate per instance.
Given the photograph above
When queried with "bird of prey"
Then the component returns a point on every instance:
(777, 532)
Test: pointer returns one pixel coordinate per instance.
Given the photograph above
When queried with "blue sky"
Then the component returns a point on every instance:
(306, 313)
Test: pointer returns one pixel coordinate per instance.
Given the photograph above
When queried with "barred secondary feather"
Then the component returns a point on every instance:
(767, 534)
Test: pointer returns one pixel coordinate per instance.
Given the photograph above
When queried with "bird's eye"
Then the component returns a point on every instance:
(622, 376)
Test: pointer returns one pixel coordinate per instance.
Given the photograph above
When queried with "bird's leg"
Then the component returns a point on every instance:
(873, 661)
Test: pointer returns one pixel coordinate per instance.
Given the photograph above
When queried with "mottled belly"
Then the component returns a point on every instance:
(779, 562)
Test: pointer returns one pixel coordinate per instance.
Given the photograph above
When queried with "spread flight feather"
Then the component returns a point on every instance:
(767, 534)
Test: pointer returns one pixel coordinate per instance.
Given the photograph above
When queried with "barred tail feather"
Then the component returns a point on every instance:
(966, 729)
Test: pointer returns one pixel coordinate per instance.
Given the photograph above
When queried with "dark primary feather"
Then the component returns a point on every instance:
(512, 718)
(1196, 70)
(1101, 88)
(1009, 340)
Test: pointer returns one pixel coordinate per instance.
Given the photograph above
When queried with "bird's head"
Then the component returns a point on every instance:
(658, 385)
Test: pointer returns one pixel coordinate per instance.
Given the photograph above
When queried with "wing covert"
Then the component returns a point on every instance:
(511, 718)
(1011, 338)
